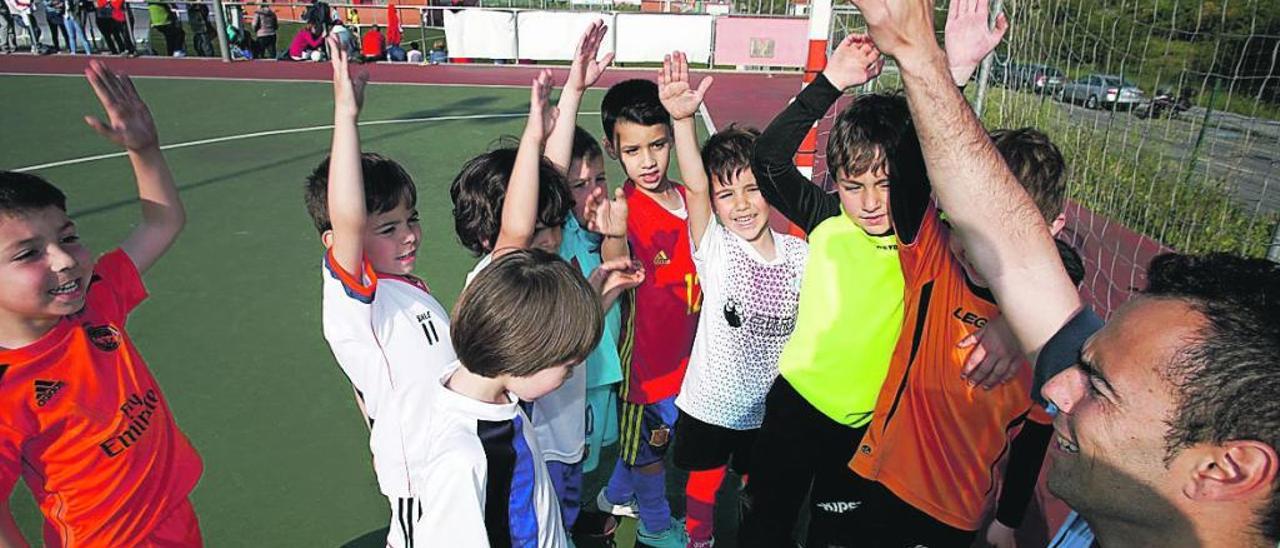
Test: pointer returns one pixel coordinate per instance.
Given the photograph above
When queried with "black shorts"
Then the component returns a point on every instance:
(703, 446)
(849, 510)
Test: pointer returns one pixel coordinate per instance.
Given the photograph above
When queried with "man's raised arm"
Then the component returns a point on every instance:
(1004, 235)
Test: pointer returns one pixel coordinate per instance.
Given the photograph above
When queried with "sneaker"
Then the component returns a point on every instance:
(629, 509)
(673, 537)
(709, 543)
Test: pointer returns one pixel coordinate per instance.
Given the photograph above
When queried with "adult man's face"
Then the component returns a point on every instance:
(1108, 455)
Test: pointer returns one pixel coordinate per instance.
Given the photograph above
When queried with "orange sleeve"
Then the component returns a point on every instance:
(923, 254)
(360, 287)
(117, 272)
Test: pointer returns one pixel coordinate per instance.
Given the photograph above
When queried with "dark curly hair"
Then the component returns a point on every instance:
(728, 152)
(867, 134)
(634, 101)
(386, 186)
(23, 192)
(1227, 380)
(479, 189)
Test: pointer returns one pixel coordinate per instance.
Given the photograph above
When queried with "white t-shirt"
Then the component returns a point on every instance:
(559, 418)
(457, 454)
(385, 331)
(748, 312)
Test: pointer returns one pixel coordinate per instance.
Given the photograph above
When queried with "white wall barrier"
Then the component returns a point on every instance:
(488, 34)
(633, 37)
(553, 35)
(636, 33)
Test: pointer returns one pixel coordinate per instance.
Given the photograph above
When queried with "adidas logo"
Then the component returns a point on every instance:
(45, 391)
(661, 258)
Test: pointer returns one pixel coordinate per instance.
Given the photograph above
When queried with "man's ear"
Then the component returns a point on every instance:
(1235, 470)
(1058, 223)
(608, 148)
(326, 237)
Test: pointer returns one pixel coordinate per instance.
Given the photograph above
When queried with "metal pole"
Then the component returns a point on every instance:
(983, 76)
(1273, 250)
(985, 71)
(221, 20)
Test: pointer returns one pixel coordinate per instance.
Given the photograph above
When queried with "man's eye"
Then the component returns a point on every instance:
(25, 254)
(71, 239)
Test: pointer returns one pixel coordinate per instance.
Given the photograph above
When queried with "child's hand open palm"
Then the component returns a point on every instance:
(679, 97)
(348, 92)
(586, 69)
(129, 123)
(854, 62)
(542, 114)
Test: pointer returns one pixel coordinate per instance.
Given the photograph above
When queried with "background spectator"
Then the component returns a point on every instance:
(345, 37)
(73, 22)
(165, 21)
(53, 15)
(414, 55)
(198, 19)
(112, 23)
(8, 39)
(437, 54)
(307, 44)
(265, 27)
(22, 17)
(374, 45)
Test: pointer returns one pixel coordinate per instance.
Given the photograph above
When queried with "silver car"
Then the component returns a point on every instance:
(1101, 90)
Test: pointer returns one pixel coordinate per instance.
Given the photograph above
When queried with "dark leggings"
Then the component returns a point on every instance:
(173, 37)
(118, 39)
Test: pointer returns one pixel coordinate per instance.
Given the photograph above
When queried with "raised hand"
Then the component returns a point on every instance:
(129, 123)
(970, 37)
(854, 62)
(586, 69)
(348, 92)
(607, 217)
(678, 96)
(899, 27)
(615, 276)
(542, 114)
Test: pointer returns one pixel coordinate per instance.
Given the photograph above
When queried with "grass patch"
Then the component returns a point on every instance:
(1116, 172)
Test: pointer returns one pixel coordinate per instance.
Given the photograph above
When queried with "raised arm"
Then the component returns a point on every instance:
(129, 124)
(681, 101)
(520, 205)
(773, 160)
(347, 211)
(969, 39)
(1004, 235)
(583, 73)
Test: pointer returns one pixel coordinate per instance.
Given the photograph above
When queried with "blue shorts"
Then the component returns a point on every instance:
(646, 431)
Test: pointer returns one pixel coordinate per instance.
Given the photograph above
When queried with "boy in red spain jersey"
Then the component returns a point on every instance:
(84, 423)
(661, 319)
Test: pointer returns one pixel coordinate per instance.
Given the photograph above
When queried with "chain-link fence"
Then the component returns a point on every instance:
(1168, 112)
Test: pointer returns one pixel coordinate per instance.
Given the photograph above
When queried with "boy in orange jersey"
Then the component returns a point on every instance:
(84, 422)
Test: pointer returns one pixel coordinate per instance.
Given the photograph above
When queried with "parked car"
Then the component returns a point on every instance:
(1101, 90)
(1036, 77)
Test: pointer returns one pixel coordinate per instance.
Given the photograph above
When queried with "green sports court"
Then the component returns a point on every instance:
(232, 327)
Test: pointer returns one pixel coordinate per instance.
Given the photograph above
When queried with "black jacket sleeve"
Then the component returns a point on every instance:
(1026, 455)
(773, 161)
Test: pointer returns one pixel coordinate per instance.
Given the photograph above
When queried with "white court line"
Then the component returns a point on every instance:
(273, 132)
(284, 80)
